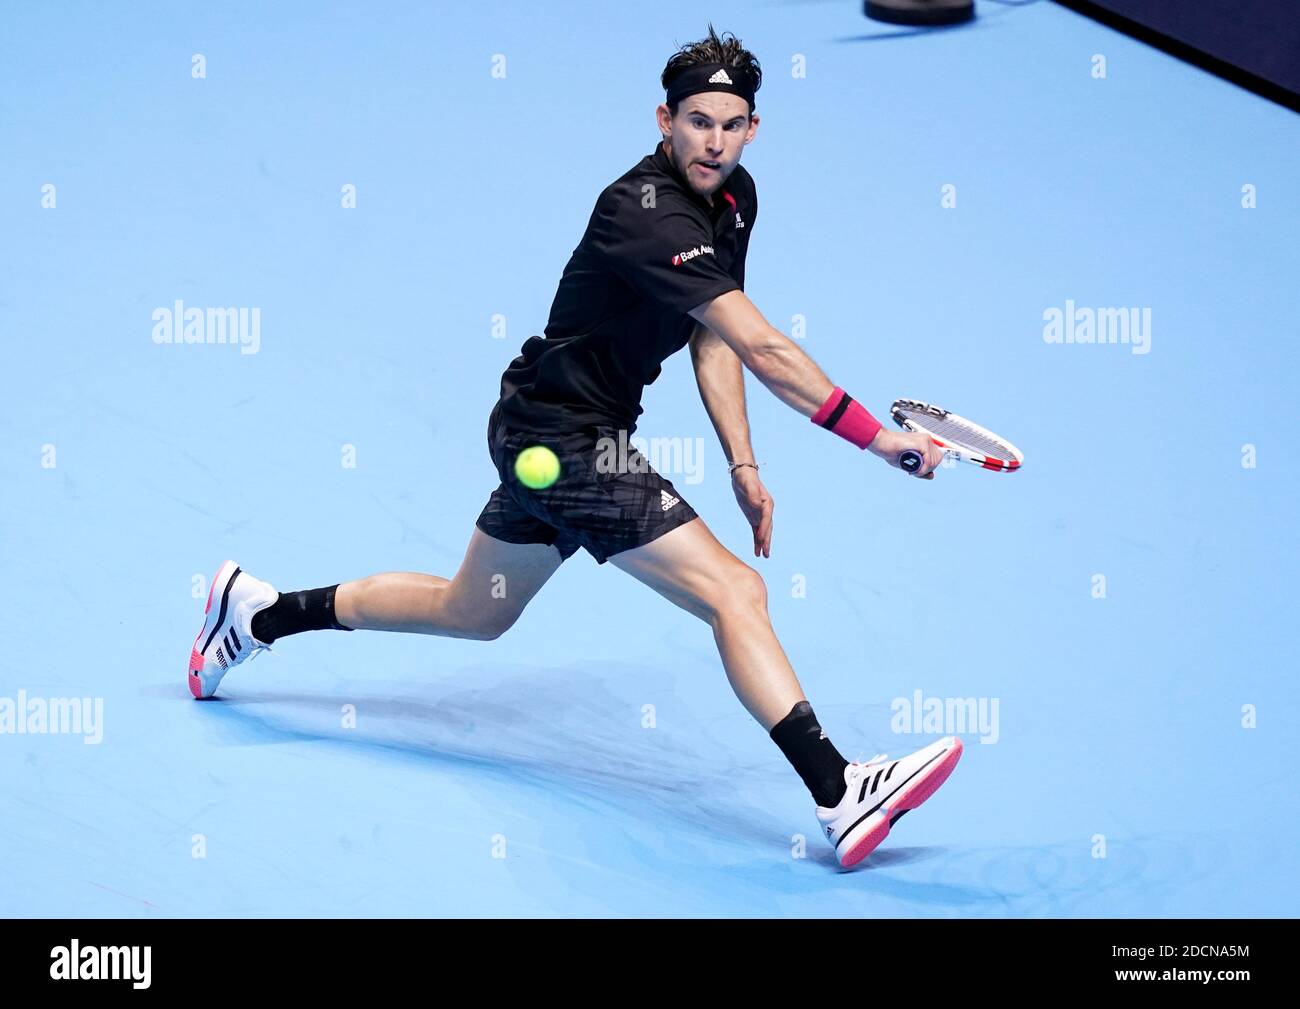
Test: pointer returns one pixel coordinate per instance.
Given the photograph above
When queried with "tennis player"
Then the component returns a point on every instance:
(660, 266)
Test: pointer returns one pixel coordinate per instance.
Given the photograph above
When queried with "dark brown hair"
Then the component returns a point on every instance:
(726, 50)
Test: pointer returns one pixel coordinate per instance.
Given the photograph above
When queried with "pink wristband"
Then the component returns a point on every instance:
(848, 418)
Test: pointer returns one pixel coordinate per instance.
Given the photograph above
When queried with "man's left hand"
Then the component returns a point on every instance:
(756, 503)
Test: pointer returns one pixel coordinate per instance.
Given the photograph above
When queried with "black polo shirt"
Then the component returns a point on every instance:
(653, 250)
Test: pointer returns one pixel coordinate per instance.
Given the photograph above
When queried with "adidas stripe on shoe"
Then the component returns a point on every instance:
(880, 792)
(226, 638)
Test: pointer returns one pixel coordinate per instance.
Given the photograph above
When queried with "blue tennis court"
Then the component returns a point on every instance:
(390, 197)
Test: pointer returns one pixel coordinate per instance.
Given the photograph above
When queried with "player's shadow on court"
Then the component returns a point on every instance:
(564, 730)
(699, 784)
(554, 729)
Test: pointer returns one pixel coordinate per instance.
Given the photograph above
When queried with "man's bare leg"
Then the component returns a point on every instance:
(495, 582)
(244, 614)
(689, 567)
(857, 803)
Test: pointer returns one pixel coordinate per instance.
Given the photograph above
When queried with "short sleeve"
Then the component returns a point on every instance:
(738, 265)
(664, 252)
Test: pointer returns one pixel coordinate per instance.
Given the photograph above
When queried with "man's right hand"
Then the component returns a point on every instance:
(890, 445)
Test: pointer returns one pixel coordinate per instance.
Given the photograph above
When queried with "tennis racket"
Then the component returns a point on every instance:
(956, 435)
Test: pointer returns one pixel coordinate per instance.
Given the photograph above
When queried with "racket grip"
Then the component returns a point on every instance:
(910, 461)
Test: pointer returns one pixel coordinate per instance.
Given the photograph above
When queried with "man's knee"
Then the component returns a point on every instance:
(492, 618)
(742, 591)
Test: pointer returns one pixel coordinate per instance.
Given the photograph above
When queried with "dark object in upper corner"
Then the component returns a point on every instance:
(920, 12)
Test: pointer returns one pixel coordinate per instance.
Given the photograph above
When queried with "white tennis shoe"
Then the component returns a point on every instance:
(879, 792)
(227, 639)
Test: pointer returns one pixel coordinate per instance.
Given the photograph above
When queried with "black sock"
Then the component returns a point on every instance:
(813, 755)
(294, 612)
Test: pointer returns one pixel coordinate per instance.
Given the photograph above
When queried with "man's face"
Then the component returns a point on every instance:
(706, 137)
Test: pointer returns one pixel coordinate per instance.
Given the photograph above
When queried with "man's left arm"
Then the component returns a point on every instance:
(720, 377)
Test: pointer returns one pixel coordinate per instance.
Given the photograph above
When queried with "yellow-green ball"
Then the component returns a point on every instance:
(537, 467)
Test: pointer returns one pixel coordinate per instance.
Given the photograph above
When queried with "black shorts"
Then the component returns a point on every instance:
(604, 508)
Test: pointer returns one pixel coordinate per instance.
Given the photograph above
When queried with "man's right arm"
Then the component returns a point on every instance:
(791, 375)
(776, 361)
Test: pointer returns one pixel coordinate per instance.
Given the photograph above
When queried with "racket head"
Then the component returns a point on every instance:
(964, 438)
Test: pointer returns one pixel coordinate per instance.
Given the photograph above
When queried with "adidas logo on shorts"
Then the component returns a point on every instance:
(668, 500)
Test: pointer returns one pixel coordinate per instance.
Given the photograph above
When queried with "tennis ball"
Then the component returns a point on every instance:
(537, 467)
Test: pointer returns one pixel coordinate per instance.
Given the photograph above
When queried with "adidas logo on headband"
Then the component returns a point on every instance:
(720, 78)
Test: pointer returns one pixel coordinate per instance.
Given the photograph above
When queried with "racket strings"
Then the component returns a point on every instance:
(959, 434)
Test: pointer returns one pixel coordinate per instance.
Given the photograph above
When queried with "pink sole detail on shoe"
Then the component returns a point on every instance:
(924, 788)
(196, 660)
(867, 845)
(196, 666)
